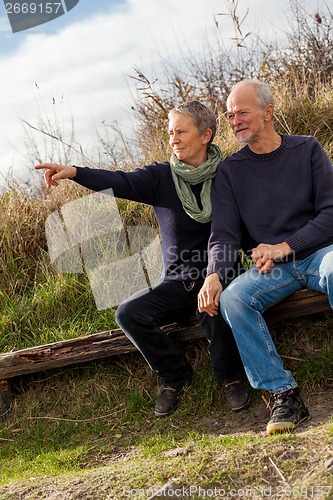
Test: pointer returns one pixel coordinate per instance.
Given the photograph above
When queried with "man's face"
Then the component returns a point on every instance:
(188, 144)
(245, 117)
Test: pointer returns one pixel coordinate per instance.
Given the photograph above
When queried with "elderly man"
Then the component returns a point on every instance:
(179, 191)
(274, 199)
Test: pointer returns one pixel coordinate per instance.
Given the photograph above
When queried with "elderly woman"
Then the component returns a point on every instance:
(179, 191)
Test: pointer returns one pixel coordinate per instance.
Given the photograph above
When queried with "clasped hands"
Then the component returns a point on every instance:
(264, 255)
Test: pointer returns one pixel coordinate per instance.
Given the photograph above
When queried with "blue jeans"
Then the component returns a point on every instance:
(244, 301)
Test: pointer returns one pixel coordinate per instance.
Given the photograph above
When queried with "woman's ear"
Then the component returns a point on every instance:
(207, 135)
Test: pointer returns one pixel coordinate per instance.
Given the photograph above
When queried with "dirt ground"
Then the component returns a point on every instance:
(97, 484)
(255, 419)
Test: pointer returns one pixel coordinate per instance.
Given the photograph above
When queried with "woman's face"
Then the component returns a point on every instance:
(188, 144)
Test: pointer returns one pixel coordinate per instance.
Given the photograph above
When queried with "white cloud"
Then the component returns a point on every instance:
(80, 72)
(84, 67)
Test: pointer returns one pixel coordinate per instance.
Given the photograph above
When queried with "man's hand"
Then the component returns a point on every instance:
(209, 295)
(264, 255)
(54, 173)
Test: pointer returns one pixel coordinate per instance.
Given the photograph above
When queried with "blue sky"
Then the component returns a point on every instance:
(75, 68)
(83, 10)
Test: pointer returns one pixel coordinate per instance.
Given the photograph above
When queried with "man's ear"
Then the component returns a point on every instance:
(269, 111)
(207, 135)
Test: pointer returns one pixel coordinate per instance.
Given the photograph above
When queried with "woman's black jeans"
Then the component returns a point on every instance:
(142, 315)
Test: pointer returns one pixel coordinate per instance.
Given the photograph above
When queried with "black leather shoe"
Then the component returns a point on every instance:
(167, 401)
(237, 394)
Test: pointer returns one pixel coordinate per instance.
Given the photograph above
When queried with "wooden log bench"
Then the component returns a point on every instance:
(114, 342)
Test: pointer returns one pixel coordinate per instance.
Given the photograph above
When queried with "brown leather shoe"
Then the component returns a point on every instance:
(237, 394)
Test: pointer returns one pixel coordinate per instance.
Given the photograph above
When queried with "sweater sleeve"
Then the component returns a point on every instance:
(226, 233)
(320, 228)
(138, 185)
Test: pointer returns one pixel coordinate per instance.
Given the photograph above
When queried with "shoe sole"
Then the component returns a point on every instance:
(161, 415)
(284, 426)
(240, 408)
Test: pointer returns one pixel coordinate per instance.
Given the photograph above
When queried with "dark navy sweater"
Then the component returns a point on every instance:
(286, 195)
(184, 241)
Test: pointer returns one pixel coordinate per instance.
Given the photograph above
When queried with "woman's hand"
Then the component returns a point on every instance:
(53, 173)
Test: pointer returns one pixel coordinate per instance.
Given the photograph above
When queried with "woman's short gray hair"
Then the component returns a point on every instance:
(203, 117)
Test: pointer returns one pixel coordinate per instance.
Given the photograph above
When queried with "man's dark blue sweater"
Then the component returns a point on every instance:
(283, 196)
(184, 240)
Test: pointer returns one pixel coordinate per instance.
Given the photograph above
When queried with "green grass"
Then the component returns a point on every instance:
(96, 422)
(185, 458)
(60, 308)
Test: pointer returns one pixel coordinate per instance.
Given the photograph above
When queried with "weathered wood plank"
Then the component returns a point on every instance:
(83, 349)
(64, 353)
(114, 342)
(298, 304)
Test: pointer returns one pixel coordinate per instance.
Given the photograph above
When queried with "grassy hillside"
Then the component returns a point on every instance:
(89, 431)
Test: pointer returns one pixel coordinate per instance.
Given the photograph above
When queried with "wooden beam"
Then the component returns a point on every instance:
(83, 349)
(114, 342)
(298, 304)
(64, 353)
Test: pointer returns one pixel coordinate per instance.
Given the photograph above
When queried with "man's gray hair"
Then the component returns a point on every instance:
(263, 92)
(203, 117)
